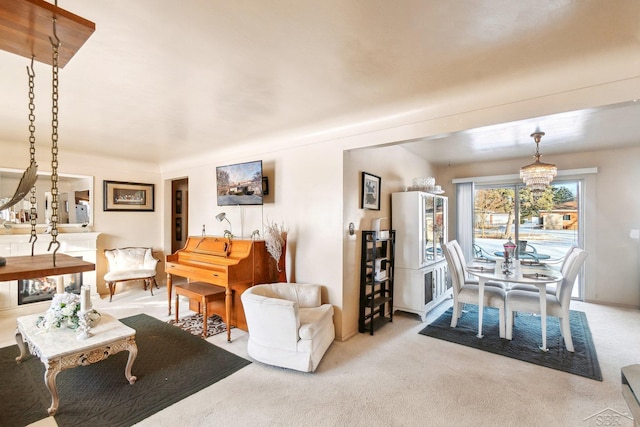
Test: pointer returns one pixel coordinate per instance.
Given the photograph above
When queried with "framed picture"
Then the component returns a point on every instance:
(178, 203)
(178, 228)
(370, 191)
(128, 196)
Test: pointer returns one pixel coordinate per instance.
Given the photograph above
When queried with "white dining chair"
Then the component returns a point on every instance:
(551, 289)
(557, 304)
(464, 293)
(467, 279)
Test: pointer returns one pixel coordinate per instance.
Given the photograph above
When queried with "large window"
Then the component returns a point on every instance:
(543, 225)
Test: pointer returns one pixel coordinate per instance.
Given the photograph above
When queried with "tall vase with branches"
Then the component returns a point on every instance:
(276, 241)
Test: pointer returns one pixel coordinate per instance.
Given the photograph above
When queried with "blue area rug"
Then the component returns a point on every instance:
(527, 337)
(171, 365)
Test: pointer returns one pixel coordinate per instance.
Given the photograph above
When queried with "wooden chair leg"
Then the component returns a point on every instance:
(177, 306)
(112, 289)
(204, 318)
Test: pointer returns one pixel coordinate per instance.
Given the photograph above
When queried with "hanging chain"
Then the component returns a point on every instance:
(54, 144)
(32, 154)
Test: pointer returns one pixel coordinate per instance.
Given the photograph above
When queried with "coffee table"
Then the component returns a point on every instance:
(59, 349)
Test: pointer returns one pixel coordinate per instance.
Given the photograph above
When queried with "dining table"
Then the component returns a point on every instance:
(529, 273)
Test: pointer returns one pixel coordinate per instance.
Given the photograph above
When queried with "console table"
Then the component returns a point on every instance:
(59, 349)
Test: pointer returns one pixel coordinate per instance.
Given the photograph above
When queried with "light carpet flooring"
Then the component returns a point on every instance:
(396, 378)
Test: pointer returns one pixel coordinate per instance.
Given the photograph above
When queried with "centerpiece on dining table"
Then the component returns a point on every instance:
(509, 254)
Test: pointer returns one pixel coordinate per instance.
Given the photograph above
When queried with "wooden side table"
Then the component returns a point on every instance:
(203, 293)
(59, 349)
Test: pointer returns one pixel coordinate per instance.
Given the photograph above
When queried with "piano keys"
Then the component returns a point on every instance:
(233, 264)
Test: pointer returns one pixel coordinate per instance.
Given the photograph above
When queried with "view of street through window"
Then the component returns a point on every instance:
(544, 224)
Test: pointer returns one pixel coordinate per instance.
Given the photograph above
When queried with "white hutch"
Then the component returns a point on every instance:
(421, 278)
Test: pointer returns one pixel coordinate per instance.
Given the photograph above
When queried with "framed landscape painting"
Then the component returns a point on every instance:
(128, 196)
(370, 191)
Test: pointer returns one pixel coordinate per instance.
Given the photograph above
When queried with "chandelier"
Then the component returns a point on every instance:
(537, 176)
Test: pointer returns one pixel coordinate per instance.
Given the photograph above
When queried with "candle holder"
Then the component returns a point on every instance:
(86, 320)
(509, 251)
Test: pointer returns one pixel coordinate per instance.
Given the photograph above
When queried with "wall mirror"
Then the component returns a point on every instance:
(75, 199)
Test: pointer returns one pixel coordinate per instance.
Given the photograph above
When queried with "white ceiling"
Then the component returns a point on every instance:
(163, 79)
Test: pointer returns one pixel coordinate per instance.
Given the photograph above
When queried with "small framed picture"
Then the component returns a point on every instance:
(370, 191)
(128, 196)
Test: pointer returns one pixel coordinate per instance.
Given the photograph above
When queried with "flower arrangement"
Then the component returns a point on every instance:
(275, 237)
(65, 311)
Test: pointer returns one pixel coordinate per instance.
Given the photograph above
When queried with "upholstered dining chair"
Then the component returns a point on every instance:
(464, 293)
(557, 304)
(467, 279)
(551, 289)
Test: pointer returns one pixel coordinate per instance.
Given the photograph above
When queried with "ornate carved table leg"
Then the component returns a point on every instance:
(53, 369)
(133, 352)
(23, 350)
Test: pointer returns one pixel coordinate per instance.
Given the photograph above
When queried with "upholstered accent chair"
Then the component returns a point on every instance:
(557, 303)
(463, 293)
(288, 325)
(132, 263)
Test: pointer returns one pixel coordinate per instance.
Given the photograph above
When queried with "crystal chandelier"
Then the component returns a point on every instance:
(537, 176)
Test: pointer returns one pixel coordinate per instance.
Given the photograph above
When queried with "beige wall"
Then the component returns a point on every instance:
(397, 168)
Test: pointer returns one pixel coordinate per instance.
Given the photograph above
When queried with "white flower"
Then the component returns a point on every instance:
(64, 309)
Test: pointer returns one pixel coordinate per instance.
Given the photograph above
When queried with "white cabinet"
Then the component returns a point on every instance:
(421, 278)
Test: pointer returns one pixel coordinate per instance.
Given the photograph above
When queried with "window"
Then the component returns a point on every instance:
(543, 225)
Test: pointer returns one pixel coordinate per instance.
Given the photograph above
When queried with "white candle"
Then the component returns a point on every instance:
(60, 285)
(85, 298)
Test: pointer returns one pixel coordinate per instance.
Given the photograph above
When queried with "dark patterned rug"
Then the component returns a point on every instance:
(193, 325)
(170, 366)
(526, 339)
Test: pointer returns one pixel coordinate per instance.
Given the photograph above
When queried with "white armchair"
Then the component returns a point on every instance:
(288, 325)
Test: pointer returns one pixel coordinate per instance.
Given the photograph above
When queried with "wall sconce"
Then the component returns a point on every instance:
(222, 216)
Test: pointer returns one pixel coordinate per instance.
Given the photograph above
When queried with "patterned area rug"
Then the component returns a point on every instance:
(193, 324)
(170, 366)
(527, 337)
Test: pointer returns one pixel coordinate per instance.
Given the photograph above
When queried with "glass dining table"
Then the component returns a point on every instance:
(534, 273)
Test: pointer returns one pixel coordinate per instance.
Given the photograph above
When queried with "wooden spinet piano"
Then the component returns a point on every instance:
(234, 264)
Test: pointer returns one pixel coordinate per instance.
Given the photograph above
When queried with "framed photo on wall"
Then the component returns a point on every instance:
(128, 196)
(370, 191)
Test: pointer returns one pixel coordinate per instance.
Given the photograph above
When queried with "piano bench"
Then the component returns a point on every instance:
(203, 293)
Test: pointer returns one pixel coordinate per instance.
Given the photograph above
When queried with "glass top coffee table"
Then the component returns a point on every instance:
(59, 349)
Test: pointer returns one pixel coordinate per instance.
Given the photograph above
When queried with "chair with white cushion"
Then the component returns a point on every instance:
(132, 263)
(471, 280)
(288, 325)
(551, 289)
(557, 304)
(463, 293)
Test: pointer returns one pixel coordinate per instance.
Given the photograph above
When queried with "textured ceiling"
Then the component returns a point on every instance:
(162, 79)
